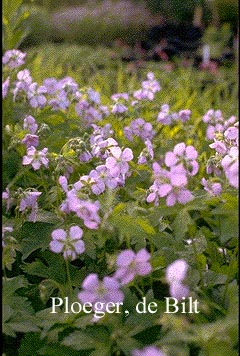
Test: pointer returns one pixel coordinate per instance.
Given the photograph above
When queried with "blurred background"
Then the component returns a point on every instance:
(105, 21)
(94, 33)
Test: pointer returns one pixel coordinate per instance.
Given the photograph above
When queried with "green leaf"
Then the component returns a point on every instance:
(47, 217)
(17, 311)
(11, 285)
(35, 236)
(54, 267)
(228, 228)
(60, 350)
(93, 338)
(181, 223)
(30, 345)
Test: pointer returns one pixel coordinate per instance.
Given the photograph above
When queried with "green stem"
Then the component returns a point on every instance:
(5, 274)
(229, 274)
(198, 265)
(69, 282)
(138, 289)
(43, 182)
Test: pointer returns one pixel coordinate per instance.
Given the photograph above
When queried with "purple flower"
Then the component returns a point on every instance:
(216, 123)
(29, 200)
(164, 116)
(93, 96)
(231, 134)
(118, 96)
(212, 188)
(36, 95)
(6, 196)
(149, 88)
(230, 166)
(87, 112)
(183, 154)
(105, 291)
(69, 243)
(85, 156)
(151, 83)
(219, 146)
(60, 101)
(147, 153)
(36, 158)
(213, 116)
(175, 274)
(119, 108)
(30, 140)
(131, 264)
(5, 86)
(176, 271)
(184, 115)
(25, 77)
(140, 128)
(23, 84)
(148, 351)
(102, 179)
(64, 183)
(117, 164)
(86, 210)
(30, 124)
(51, 84)
(178, 290)
(13, 58)
(170, 185)
(69, 86)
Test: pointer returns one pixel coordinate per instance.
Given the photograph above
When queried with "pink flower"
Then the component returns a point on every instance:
(5, 86)
(69, 243)
(29, 200)
(148, 351)
(117, 164)
(175, 274)
(105, 291)
(13, 58)
(36, 158)
(212, 188)
(30, 124)
(230, 166)
(131, 264)
(30, 140)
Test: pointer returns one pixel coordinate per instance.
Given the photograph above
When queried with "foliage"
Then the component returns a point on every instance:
(14, 15)
(201, 231)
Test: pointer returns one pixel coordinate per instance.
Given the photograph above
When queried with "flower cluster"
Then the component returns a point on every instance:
(149, 88)
(184, 156)
(89, 108)
(139, 128)
(172, 183)
(216, 123)
(167, 118)
(29, 201)
(120, 101)
(129, 265)
(225, 136)
(84, 209)
(13, 58)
